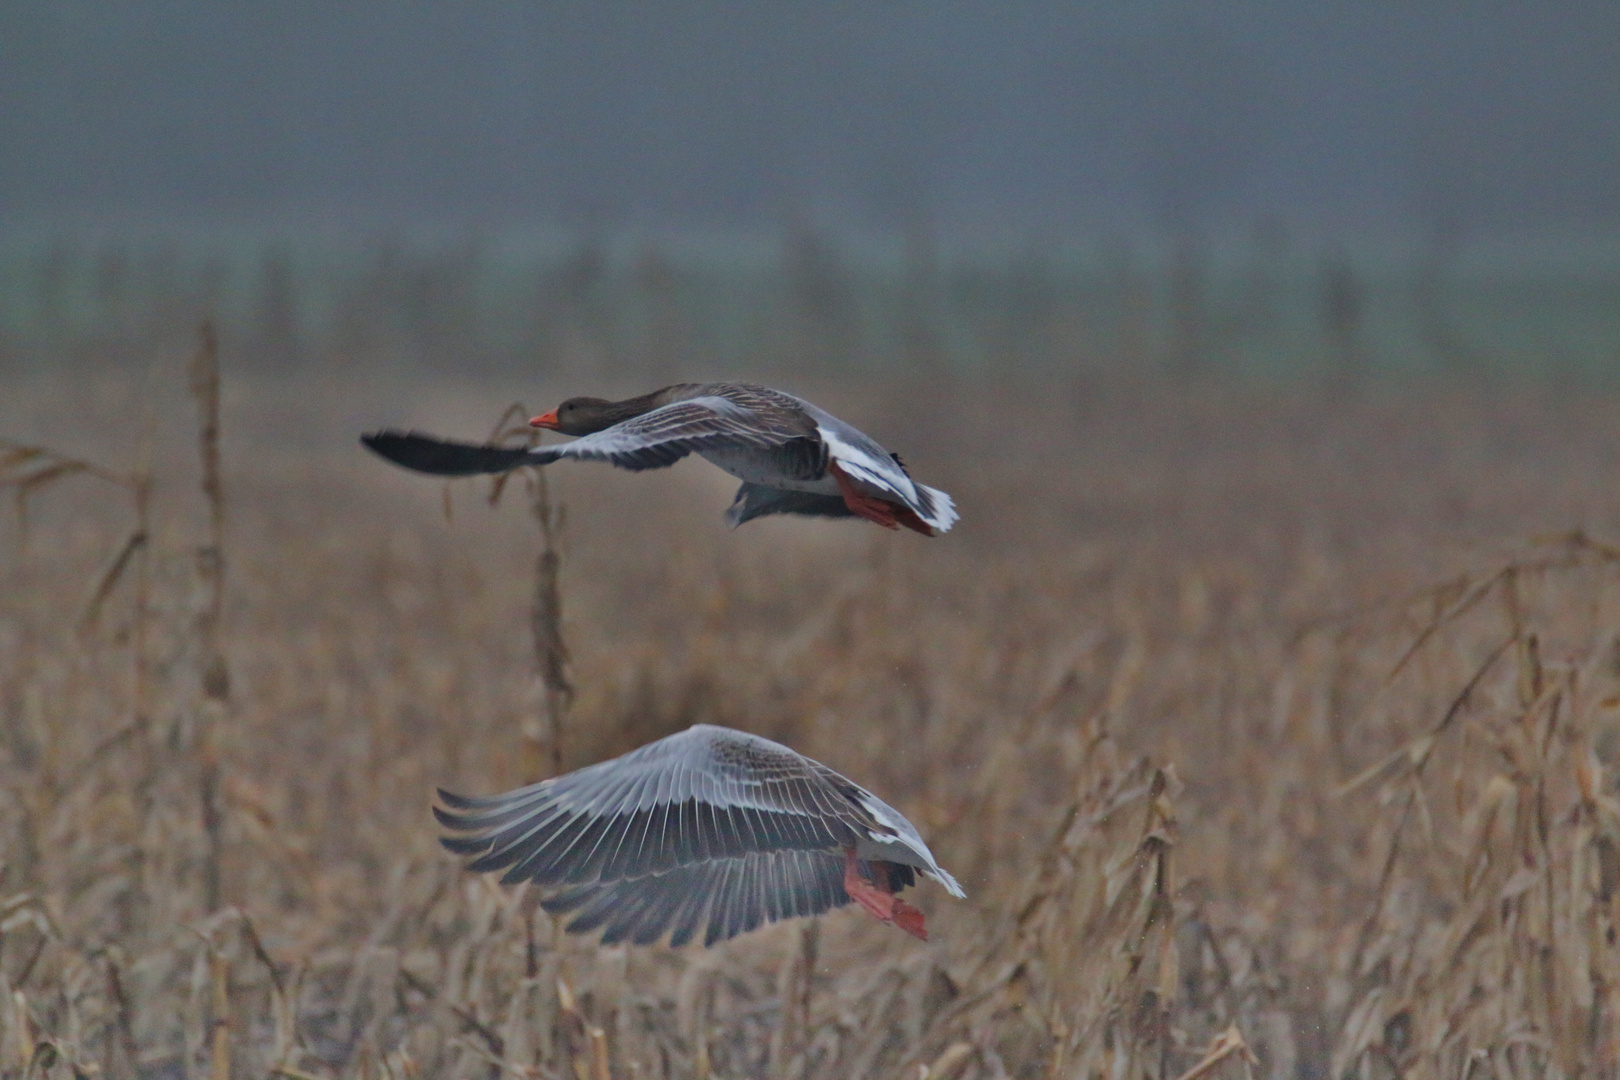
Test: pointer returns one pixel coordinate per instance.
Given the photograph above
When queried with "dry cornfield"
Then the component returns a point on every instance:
(1269, 734)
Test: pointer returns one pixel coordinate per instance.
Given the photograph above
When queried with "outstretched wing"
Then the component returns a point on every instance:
(720, 898)
(668, 433)
(653, 440)
(709, 830)
(757, 500)
(444, 457)
(701, 795)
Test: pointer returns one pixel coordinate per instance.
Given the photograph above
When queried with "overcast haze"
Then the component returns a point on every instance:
(976, 115)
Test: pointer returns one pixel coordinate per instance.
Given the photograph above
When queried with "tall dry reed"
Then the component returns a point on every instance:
(1233, 787)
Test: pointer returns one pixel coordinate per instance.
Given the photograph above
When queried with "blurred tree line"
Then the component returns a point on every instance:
(599, 303)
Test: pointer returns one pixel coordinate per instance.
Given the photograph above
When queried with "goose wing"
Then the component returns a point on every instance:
(719, 898)
(757, 500)
(708, 422)
(702, 794)
(424, 453)
(709, 827)
(653, 440)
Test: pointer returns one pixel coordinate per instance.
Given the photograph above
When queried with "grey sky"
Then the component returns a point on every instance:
(1488, 117)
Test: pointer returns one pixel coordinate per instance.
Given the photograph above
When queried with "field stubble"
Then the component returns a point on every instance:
(1269, 735)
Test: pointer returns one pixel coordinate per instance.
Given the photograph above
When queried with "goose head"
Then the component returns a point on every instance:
(583, 416)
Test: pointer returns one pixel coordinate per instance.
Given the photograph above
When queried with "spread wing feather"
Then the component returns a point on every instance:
(708, 831)
(706, 793)
(654, 440)
(668, 433)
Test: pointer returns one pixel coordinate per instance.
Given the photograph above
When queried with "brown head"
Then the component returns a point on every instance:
(582, 416)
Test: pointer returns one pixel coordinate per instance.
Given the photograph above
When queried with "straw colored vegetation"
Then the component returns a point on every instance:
(1269, 736)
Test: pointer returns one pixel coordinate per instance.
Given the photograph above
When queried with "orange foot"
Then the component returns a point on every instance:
(906, 516)
(881, 511)
(882, 904)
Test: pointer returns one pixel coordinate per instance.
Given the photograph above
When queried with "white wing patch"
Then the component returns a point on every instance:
(858, 463)
(904, 834)
(884, 473)
(946, 880)
(944, 509)
(885, 816)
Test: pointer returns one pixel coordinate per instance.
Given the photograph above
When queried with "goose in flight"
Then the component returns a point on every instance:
(792, 457)
(710, 831)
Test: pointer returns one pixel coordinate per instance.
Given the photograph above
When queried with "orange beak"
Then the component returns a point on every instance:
(545, 420)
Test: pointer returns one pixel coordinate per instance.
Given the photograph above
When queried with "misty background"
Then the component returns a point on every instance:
(1383, 176)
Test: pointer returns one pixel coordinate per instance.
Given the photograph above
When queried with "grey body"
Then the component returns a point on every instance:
(766, 438)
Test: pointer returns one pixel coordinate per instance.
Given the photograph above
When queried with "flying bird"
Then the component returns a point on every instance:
(792, 457)
(710, 831)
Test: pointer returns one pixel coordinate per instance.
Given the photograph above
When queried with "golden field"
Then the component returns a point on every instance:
(1271, 731)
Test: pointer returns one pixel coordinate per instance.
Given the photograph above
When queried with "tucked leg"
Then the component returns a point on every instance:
(873, 509)
(881, 903)
(906, 516)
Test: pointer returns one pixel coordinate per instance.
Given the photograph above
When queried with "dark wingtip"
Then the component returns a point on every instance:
(464, 846)
(456, 821)
(462, 802)
(649, 933)
(442, 457)
(387, 443)
(564, 902)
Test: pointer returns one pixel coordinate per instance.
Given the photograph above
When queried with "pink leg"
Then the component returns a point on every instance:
(882, 904)
(885, 513)
(866, 506)
(906, 516)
